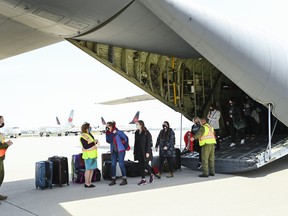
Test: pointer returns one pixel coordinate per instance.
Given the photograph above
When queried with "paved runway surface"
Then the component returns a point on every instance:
(258, 193)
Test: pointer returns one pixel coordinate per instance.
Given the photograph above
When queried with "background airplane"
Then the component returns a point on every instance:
(130, 127)
(73, 130)
(11, 132)
(57, 129)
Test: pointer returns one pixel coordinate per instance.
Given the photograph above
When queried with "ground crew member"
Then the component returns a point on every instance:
(89, 153)
(3, 148)
(206, 141)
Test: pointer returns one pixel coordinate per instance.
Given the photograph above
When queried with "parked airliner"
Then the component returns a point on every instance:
(130, 127)
(57, 129)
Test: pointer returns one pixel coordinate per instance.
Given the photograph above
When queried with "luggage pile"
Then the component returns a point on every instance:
(52, 171)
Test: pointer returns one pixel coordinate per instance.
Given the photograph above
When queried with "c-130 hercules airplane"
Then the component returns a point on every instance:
(179, 52)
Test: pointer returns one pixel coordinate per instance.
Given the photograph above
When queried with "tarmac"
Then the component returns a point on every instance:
(259, 193)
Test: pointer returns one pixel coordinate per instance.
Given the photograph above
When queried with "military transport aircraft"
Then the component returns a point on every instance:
(179, 52)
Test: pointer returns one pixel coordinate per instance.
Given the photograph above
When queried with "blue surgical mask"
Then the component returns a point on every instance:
(90, 129)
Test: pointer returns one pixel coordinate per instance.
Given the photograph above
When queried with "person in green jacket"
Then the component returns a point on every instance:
(207, 140)
(3, 148)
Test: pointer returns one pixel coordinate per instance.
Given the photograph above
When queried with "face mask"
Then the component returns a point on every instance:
(90, 129)
(138, 127)
(2, 125)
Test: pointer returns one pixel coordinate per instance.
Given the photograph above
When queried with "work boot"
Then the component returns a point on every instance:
(2, 197)
(113, 182)
(204, 175)
(158, 175)
(170, 175)
(124, 182)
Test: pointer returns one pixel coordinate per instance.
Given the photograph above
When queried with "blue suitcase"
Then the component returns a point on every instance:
(43, 174)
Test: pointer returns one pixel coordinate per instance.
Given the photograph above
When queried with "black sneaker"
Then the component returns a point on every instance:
(203, 175)
(211, 174)
(142, 182)
(199, 166)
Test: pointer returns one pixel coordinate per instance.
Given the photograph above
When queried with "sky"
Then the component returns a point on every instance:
(39, 85)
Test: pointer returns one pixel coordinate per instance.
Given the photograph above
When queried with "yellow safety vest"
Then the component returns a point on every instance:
(2, 151)
(91, 152)
(208, 136)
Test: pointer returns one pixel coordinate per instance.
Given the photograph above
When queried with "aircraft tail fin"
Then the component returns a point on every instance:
(136, 118)
(103, 121)
(57, 121)
(70, 118)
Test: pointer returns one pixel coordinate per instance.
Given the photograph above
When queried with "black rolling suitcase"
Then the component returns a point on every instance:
(60, 170)
(106, 165)
(43, 174)
(177, 160)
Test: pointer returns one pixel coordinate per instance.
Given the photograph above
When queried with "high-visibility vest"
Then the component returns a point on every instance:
(91, 152)
(208, 136)
(2, 151)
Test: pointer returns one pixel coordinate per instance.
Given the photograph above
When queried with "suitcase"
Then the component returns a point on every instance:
(60, 170)
(177, 159)
(132, 168)
(106, 167)
(78, 170)
(43, 174)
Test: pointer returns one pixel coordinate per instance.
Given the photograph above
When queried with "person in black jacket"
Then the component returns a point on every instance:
(166, 142)
(233, 118)
(143, 151)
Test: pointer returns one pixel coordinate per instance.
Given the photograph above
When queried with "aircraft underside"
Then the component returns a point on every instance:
(174, 50)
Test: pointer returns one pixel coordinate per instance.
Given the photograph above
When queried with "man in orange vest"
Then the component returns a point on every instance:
(3, 148)
(207, 141)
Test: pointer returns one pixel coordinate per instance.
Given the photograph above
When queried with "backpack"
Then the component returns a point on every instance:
(126, 144)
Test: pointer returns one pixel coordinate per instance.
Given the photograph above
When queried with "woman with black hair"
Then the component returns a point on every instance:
(143, 151)
(165, 143)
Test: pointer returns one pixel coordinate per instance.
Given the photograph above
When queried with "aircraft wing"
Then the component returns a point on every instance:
(136, 98)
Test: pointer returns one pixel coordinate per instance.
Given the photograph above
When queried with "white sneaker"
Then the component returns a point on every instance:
(232, 144)
(242, 141)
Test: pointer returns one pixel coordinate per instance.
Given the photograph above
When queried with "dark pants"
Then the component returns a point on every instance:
(144, 165)
(233, 132)
(217, 132)
(170, 163)
(1, 172)
(120, 156)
